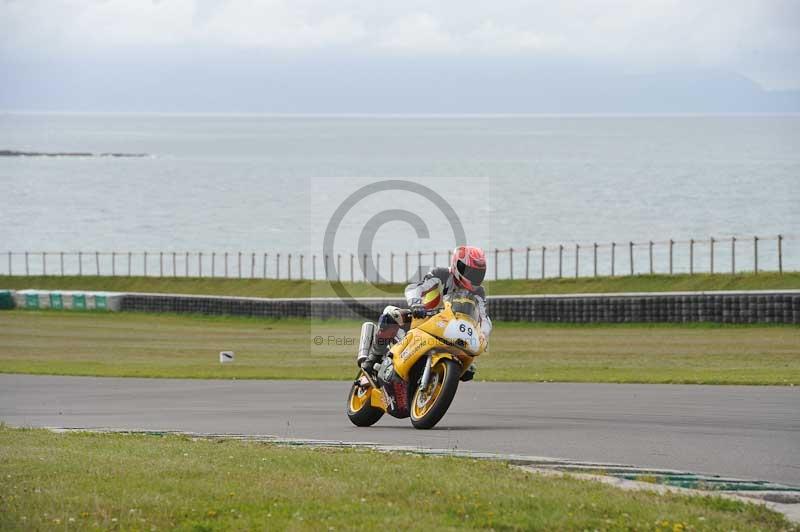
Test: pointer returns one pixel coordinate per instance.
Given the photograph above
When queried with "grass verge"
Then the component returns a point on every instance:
(136, 482)
(288, 288)
(187, 346)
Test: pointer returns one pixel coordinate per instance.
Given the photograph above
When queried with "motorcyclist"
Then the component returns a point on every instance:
(466, 272)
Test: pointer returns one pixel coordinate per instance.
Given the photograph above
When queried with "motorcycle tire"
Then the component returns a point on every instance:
(447, 373)
(359, 411)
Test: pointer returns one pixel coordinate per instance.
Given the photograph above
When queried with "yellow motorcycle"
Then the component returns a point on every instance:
(419, 376)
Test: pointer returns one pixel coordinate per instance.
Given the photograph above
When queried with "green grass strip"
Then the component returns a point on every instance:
(188, 346)
(82, 481)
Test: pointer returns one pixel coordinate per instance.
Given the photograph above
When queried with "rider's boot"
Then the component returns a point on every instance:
(376, 353)
(387, 328)
(470, 373)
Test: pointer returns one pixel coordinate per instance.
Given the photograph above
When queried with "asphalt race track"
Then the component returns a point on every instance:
(744, 431)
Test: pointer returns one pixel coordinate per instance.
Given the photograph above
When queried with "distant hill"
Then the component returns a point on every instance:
(254, 83)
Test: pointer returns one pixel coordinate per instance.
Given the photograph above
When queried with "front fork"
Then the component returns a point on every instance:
(426, 373)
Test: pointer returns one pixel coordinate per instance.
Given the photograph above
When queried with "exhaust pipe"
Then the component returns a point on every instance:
(365, 343)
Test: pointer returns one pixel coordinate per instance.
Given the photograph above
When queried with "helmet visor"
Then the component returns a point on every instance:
(473, 275)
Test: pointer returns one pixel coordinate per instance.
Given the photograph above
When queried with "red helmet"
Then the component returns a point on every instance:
(468, 266)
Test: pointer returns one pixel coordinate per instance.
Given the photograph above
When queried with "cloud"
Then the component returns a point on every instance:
(756, 38)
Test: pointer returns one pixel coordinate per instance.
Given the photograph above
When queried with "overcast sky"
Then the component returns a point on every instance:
(374, 56)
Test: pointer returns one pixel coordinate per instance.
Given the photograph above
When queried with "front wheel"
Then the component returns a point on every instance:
(429, 406)
(359, 410)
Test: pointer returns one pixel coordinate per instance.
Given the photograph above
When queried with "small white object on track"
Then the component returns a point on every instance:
(225, 357)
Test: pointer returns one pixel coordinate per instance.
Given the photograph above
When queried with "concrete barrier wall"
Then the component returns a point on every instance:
(675, 307)
(320, 308)
(672, 307)
(66, 300)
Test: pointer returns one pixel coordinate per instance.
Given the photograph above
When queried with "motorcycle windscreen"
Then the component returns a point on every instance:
(466, 306)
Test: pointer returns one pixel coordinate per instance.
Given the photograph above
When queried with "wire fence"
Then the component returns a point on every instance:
(736, 254)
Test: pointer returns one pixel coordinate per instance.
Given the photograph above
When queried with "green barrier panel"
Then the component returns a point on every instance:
(31, 300)
(56, 301)
(100, 302)
(6, 301)
(79, 302)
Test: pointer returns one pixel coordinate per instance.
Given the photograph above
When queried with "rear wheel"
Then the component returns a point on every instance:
(429, 405)
(359, 410)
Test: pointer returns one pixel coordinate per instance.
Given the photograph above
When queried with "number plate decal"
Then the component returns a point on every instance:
(462, 333)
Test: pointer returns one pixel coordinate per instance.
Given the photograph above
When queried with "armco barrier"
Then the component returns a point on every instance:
(677, 307)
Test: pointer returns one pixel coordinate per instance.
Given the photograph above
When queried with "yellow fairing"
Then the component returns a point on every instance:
(415, 345)
(376, 399)
(424, 337)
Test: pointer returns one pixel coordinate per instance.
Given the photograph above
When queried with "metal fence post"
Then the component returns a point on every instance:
(780, 254)
(755, 254)
(289, 266)
(130, 260)
(691, 256)
(613, 257)
(239, 263)
(671, 245)
(527, 262)
(630, 255)
(651, 257)
(594, 259)
(339, 267)
(144, 262)
(511, 263)
(174, 264)
(252, 265)
(301, 266)
(213, 263)
(199, 263)
(544, 248)
(61, 260)
(733, 254)
(434, 259)
(80, 263)
(27, 271)
(97, 262)
(560, 258)
(407, 277)
(226, 264)
(161, 264)
(326, 267)
(352, 268)
(364, 266)
(711, 251)
(10, 271)
(277, 266)
(577, 256)
(313, 267)
(264, 265)
(113, 264)
(44, 263)
(186, 265)
(378, 268)
(495, 263)
(419, 265)
(391, 267)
